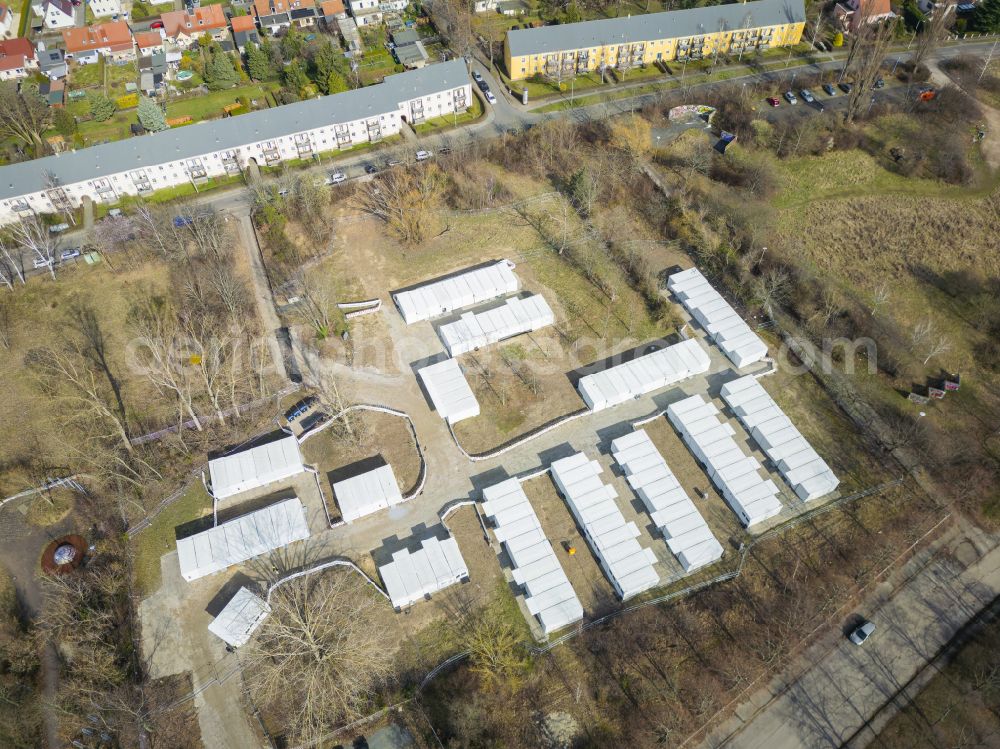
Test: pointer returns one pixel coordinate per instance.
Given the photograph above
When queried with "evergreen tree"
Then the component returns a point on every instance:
(295, 76)
(292, 43)
(327, 60)
(151, 116)
(258, 63)
(986, 17)
(101, 107)
(64, 123)
(219, 72)
(335, 83)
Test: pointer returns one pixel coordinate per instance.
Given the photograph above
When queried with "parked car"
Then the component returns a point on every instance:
(860, 634)
(181, 221)
(819, 106)
(41, 263)
(807, 96)
(773, 101)
(284, 192)
(846, 87)
(371, 169)
(444, 149)
(394, 163)
(879, 83)
(58, 228)
(483, 85)
(335, 178)
(69, 253)
(300, 408)
(476, 77)
(115, 213)
(490, 97)
(830, 90)
(790, 97)
(423, 155)
(155, 25)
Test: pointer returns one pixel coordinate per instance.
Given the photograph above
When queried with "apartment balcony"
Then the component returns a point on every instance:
(231, 165)
(344, 139)
(59, 199)
(107, 194)
(197, 174)
(143, 187)
(303, 146)
(417, 113)
(460, 101)
(374, 131)
(271, 156)
(21, 207)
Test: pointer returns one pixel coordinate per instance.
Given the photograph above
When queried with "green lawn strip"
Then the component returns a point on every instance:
(210, 106)
(25, 19)
(448, 122)
(161, 536)
(116, 128)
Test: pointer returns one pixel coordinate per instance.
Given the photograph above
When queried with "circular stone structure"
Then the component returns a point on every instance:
(64, 554)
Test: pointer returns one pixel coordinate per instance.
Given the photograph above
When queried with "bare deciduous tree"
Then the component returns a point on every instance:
(771, 290)
(406, 200)
(35, 237)
(321, 656)
(879, 297)
(495, 648)
(869, 45)
(933, 31)
(23, 114)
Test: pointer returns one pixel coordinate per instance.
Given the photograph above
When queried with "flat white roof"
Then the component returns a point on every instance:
(549, 595)
(367, 493)
(241, 616)
(752, 497)
(410, 577)
(460, 290)
(256, 467)
(514, 317)
(449, 391)
(644, 374)
(627, 565)
(682, 525)
(797, 462)
(242, 538)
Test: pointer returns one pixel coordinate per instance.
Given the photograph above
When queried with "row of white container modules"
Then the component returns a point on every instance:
(515, 316)
(460, 290)
(449, 391)
(415, 576)
(644, 374)
(797, 462)
(682, 525)
(737, 475)
(729, 331)
(627, 565)
(548, 594)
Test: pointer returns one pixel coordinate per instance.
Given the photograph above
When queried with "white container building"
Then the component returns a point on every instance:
(626, 564)
(737, 475)
(797, 462)
(460, 290)
(449, 391)
(241, 539)
(727, 329)
(548, 593)
(415, 576)
(644, 374)
(254, 468)
(367, 493)
(240, 618)
(682, 525)
(514, 317)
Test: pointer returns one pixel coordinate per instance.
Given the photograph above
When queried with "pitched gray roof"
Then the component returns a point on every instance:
(196, 140)
(644, 28)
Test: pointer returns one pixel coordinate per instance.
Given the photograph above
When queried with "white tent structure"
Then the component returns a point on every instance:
(367, 493)
(450, 393)
(256, 467)
(548, 593)
(627, 565)
(719, 319)
(411, 577)
(736, 474)
(644, 374)
(241, 616)
(798, 463)
(243, 538)
(685, 530)
(515, 316)
(457, 291)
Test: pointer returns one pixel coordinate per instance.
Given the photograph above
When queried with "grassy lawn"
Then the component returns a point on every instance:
(116, 128)
(141, 10)
(161, 537)
(440, 124)
(87, 76)
(210, 106)
(119, 75)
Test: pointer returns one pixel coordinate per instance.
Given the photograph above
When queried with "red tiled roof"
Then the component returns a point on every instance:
(147, 39)
(332, 7)
(270, 7)
(243, 23)
(205, 18)
(115, 35)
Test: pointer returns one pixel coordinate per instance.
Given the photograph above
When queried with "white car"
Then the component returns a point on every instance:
(41, 262)
(861, 634)
(490, 97)
(58, 228)
(335, 178)
(69, 254)
(423, 155)
(790, 98)
(476, 77)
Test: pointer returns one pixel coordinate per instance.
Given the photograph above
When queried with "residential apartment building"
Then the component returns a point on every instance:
(571, 49)
(182, 27)
(17, 59)
(113, 41)
(142, 165)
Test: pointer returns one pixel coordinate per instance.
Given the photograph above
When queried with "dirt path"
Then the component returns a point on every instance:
(991, 143)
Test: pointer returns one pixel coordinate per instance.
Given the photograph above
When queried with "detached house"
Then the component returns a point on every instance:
(244, 32)
(17, 58)
(56, 14)
(148, 42)
(331, 10)
(52, 63)
(182, 27)
(852, 14)
(113, 41)
(366, 12)
(102, 8)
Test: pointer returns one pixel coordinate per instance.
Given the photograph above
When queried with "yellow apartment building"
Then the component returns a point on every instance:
(567, 50)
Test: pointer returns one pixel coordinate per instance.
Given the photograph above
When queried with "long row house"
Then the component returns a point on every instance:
(141, 166)
(571, 49)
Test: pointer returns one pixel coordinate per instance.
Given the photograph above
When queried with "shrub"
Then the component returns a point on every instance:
(128, 101)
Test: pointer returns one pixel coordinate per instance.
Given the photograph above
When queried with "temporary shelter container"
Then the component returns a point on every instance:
(241, 616)
(644, 374)
(729, 331)
(797, 462)
(627, 565)
(737, 475)
(243, 538)
(452, 293)
(548, 594)
(413, 576)
(513, 317)
(449, 391)
(256, 467)
(367, 493)
(685, 530)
